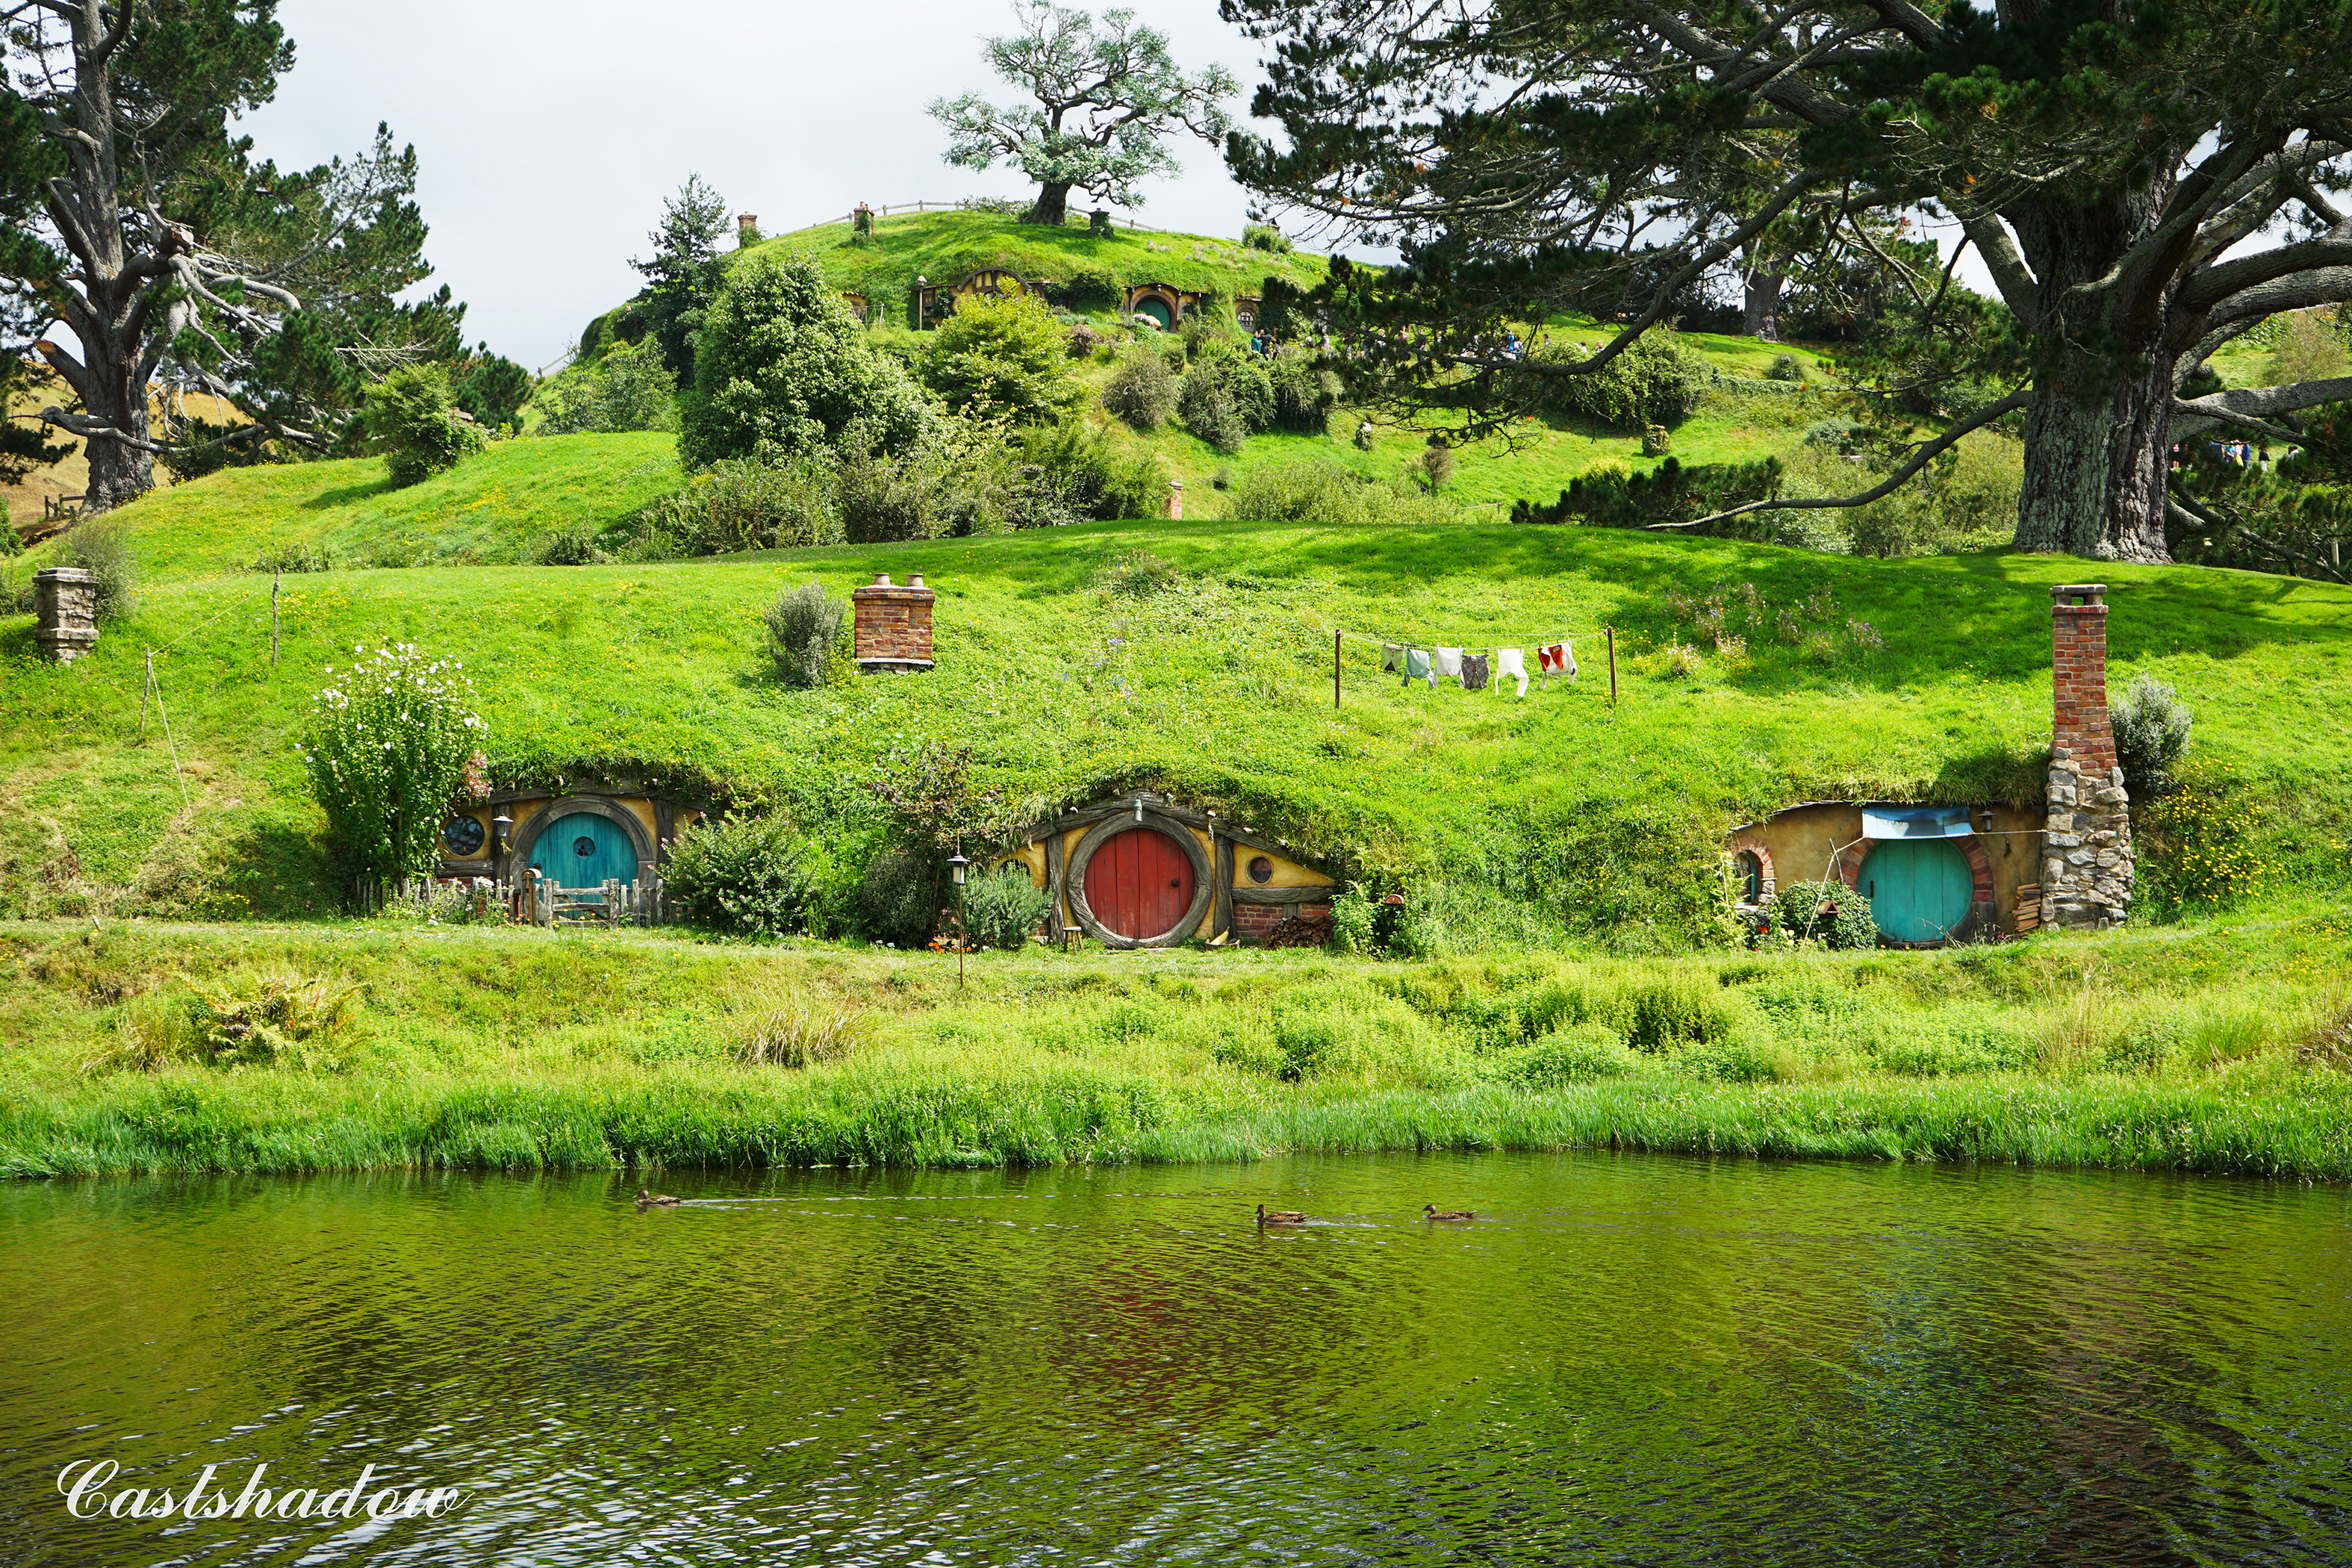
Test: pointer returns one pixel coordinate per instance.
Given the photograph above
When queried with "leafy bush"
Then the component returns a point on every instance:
(803, 1033)
(1607, 496)
(1309, 490)
(1095, 478)
(1786, 367)
(1266, 237)
(780, 361)
(1579, 1052)
(952, 484)
(2151, 725)
(803, 626)
(1002, 357)
(1828, 912)
(101, 546)
(1004, 909)
(412, 417)
(1656, 380)
(628, 389)
(898, 901)
(301, 556)
(737, 874)
(1141, 391)
(572, 546)
(1304, 395)
(387, 750)
(1091, 286)
(1225, 400)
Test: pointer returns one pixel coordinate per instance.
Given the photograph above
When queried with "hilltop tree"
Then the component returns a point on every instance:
(1106, 97)
(150, 233)
(2142, 186)
(682, 275)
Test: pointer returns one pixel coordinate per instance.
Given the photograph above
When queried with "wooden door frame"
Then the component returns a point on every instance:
(524, 838)
(1082, 854)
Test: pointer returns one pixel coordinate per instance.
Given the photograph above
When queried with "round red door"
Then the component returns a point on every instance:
(1140, 883)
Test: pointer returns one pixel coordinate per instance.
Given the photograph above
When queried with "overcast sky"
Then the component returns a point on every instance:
(548, 131)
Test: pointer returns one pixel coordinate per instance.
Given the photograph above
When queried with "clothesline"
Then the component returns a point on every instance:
(1533, 642)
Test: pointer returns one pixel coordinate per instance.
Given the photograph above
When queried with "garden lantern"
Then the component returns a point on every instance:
(957, 865)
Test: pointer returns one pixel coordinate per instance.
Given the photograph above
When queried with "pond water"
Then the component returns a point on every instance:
(1639, 1360)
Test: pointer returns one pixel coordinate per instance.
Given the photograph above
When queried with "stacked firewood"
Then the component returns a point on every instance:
(2029, 907)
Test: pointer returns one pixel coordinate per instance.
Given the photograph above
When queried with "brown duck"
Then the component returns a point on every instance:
(647, 1200)
(1431, 1211)
(1280, 1217)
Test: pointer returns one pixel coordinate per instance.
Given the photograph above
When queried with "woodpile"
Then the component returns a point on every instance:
(2029, 907)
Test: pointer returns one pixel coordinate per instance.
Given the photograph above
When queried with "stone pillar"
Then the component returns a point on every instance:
(2086, 848)
(893, 626)
(65, 612)
(1175, 500)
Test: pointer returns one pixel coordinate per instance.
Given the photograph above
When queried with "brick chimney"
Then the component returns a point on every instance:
(2086, 848)
(893, 630)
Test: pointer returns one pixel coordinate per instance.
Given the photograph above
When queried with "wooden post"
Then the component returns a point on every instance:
(1335, 672)
(277, 576)
(1611, 632)
(144, 690)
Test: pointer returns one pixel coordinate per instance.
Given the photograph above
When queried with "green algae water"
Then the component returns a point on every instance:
(1622, 1360)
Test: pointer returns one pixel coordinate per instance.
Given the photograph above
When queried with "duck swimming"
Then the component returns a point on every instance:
(647, 1200)
(1280, 1217)
(1431, 1211)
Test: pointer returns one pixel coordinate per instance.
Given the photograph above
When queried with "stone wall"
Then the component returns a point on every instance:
(2087, 848)
(893, 626)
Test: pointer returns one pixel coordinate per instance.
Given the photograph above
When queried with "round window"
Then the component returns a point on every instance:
(583, 845)
(1261, 869)
(462, 834)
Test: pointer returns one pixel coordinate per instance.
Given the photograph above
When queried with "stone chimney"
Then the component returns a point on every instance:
(65, 612)
(894, 625)
(2086, 850)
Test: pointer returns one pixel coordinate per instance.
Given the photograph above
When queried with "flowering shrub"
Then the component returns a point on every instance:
(2202, 845)
(389, 747)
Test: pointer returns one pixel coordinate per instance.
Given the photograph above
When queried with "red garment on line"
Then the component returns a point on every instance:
(1553, 657)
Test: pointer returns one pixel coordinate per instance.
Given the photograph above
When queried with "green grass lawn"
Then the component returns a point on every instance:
(1217, 684)
(2201, 1049)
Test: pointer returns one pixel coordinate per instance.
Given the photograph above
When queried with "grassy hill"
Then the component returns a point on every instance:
(1193, 656)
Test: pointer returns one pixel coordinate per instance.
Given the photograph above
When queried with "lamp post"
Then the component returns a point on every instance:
(957, 865)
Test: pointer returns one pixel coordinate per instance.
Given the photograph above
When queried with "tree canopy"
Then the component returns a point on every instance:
(683, 273)
(2144, 181)
(156, 239)
(782, 364)
(1104, 99)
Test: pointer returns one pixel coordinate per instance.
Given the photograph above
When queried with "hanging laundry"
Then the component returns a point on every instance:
(1473, 672)
(1391, 656)
(1417, 667)
(1508, 662)
(1555, 658)
(1449, 664)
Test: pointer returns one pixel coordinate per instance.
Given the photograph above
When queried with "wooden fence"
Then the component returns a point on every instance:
(890, 211)
(536, 899)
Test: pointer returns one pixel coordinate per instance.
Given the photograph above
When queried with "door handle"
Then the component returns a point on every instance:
(1176, 881)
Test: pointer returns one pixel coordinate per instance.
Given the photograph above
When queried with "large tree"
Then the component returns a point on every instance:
(1105, 101)
(2143, 180)
(162, 246)
(683, 275)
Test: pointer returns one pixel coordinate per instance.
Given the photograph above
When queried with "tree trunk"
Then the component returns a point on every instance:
(1052, 206)
(1761, 318)
(2098, 434)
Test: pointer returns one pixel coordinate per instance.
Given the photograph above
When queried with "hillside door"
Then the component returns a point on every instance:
(1140, 883)
(1158, 310)
(1919, 889)
(584, 850)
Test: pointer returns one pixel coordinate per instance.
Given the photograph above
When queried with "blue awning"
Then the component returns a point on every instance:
(1916, 822)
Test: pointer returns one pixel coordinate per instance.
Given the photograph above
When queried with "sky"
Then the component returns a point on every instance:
(549, 131)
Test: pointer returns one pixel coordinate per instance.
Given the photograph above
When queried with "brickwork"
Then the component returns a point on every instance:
(65, 612)
(2086, 846)
(893, 626)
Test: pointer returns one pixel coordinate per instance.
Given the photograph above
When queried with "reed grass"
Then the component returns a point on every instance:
(2211, 1049)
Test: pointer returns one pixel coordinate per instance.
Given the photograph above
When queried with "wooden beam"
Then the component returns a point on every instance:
(1221, 865)
(1284, 895)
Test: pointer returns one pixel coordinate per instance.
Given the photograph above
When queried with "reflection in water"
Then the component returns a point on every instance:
(1642, 1360)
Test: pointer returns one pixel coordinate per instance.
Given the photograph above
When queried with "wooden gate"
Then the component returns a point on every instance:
(1140, 883)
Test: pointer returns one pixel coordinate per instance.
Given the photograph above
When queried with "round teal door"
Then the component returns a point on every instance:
(584, 850)
(1159, 312)
(1919, 889)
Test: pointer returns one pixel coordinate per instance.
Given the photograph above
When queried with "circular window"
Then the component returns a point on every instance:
(1261, 869)
(583, 845)
(462, 834)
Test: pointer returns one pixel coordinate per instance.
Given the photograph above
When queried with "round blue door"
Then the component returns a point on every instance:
(1918, 888)
(584, 850)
